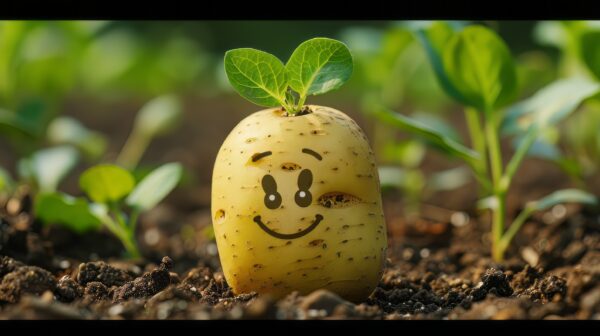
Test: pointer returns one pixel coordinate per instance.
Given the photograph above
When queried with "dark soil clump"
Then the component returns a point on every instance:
(25, 279)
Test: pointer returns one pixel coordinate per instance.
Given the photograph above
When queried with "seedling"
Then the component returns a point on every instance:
(317, 66)
(578, 42)
(112, 191)
(156, 118)
(393, 70)
(295, 196)
(475, 67)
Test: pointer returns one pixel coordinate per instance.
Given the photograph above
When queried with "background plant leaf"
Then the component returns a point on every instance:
(106, 183)
(158, 116)
(549, 105)
(432, 136)
(434, 38)
(73, 213)
(319, 65)
(590, 51)
(155, 186)
(479, 65)
(257, 76)
(563, 196)
(67, 130)
(47, 167)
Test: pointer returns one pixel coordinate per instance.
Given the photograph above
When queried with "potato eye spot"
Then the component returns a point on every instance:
(290, 166)
(220, 216)
(318, 132)
(338, 200)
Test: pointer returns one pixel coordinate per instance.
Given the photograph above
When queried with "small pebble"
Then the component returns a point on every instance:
(459, 219)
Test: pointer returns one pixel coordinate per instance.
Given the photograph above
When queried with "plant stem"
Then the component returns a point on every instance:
(132, 151)
(499, 191)
(498, 218)
(128, 237)
(512, 230)
(515, 161)
(477, 141)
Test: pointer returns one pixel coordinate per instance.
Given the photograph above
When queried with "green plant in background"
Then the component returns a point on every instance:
(111, 190)
(578, 42)
(475, 67)
(264, 80)
(392, 69)
(158, 117)
(116, 198)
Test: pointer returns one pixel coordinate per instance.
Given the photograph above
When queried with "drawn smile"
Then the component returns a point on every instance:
(318, 219)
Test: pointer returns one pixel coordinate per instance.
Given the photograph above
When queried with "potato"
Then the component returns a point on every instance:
(296, 205)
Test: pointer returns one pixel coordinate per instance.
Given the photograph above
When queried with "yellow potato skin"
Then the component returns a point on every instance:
(345, 252)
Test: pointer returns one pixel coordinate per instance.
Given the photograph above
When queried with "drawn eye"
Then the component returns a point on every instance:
(303, 196)
(272, 197)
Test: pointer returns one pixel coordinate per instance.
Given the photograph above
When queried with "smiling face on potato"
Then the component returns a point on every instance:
(296, 205)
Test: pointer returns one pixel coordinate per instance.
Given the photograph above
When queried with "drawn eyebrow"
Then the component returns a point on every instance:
(313, 153)
(258, 156)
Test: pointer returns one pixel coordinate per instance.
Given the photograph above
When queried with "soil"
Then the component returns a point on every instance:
(438, 264)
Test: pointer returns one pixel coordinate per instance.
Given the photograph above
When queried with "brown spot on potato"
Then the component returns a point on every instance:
(290, 166)
(318, 132)
(220, 216)
(250, 140)
(338, 200)
(316, 242)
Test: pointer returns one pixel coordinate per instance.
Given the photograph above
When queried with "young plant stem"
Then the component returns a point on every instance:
(513, 229)
(132, 151)
(511, 168)
(478, 142)
(128, 235)
(499, 191)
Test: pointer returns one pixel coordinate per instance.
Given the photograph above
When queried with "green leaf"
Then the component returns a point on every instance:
(562, 196)
(434, 137)
(319, 65)
(155, 186)
(159, 116)
(67, 130)
(401, 178)
(49, 166)
(106, 183)
(11, 123)
(549, 105)
(73, 213)
(479, 65)
(257, 76)
(434, 38)
(449, 179)
(590, 51)
(409, 153)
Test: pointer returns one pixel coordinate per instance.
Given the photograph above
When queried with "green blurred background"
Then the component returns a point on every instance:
(101, 74)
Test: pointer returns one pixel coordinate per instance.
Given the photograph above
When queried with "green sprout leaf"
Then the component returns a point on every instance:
(436, 138)
(73, 213)
(155, 186)
(548, 106)
(479, 65)
(257, 76)
(159, 116)
(319, 65)
(106, 183)
(47, 167)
